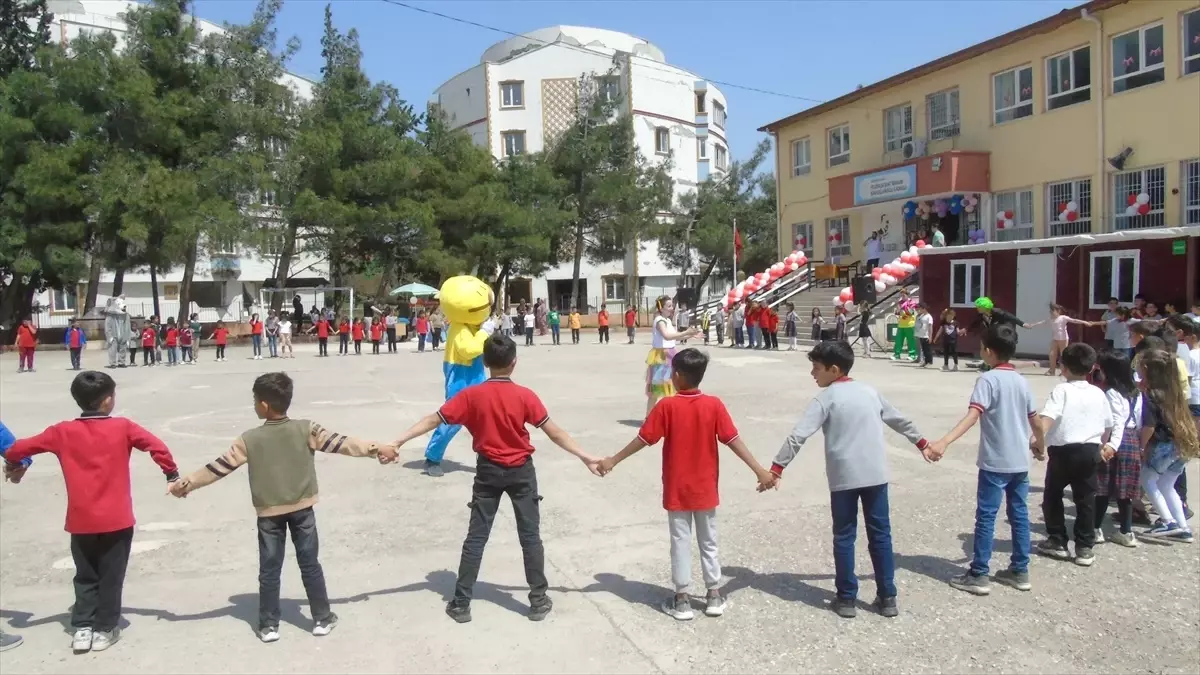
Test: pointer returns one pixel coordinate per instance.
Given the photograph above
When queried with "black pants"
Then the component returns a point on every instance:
(272, 545)
(493, 481)
(604, 334)
(1124, 512)
(323, 346)
(1181, 486)
(186, 354)
(374, 346)
(147, 355)
(358, 346)
(220, 351)
(575, 336)
(926, 350)
(343, 343)
(435, 338)
(816, 333)
(528, 337)
(1073, 465)
(391, 338)
(75, 351)
(133, 356)
(949, 351)
(100, 562)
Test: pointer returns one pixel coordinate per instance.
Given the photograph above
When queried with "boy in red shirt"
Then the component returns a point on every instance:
(630, 323)
(753, 329)
(376, 335)
(690, 424)
(75, 339)
(343, 337)
(172, 343)
(602, 325)
(357, 333)
(772, 321)
(496, 413)
(322, 329)
(26, 345)
(149, 339)
(220, 337)
(186, 335)
(93, 450)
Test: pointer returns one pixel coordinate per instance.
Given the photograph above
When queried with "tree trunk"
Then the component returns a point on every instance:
(708, 270)
(283, 265)
(185, 284)
(578, 259)
(118, 286)
(498, 285)
(95, 269)
(16, 303)
(154, 290)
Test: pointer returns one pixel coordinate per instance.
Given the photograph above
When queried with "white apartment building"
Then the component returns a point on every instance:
(524, 92)
(226, 273)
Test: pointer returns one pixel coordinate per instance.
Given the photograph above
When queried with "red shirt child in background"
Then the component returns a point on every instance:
(256, 326)
(172, 336)
(357, 331)
(322, 328)
(376, 331)
(630, 318)
(690, 424)
(220, 337)
(148, 337)
(26, 345)
(343, 327)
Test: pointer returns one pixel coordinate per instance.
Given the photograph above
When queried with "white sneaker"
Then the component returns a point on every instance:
(1122, 539)
(82, 640)
(325, 626)
(104, 639)
(1100, 536)
(269, 634)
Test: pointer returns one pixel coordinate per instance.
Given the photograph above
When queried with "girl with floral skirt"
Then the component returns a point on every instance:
(662, 350)
(1118, 474)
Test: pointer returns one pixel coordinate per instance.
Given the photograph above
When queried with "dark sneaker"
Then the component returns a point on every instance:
(678, 607)
(325, 626)
(1052, 548)
(1084, 557)
(971, 583)
(9, 641)
(540, 610)
(714, 605)
(1180, 535)
(887, 606)
(844, 607)
(1017, 580)
(434, 469)
(1161, 528)
(460, 613)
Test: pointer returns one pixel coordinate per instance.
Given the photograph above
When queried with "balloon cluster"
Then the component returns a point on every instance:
(888, 275)
(942, 207)
(1138, 204)
(1004, 220)
(764, 279)
(1068, 212)
(977, 236)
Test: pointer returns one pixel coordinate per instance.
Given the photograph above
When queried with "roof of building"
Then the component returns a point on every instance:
(596, 39)
(1046, 25)
(1076, 240)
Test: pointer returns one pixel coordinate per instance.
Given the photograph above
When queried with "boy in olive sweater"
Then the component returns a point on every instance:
(283, 487)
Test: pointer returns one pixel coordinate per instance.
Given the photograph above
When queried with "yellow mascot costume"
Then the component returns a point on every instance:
(467, 303)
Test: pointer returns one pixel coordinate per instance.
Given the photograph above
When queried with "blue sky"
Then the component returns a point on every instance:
(810, 51)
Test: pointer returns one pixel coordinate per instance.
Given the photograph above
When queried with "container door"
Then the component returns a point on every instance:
(1035, 292)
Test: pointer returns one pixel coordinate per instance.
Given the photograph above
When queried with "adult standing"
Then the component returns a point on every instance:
(297, 312)
(389, 322)
(369, 311)
(117, 331)
(542, 314)
(719, 318)
(437, 322)
(738, 321)
(272, 331)
(873, 251)
(939, 239)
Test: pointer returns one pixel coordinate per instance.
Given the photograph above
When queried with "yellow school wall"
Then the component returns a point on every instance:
(1161, 122)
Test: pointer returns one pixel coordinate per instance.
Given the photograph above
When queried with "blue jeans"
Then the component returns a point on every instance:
(172, 356)
(844, 506)
(1014, 489)
(554, 333)
(753, 338)
(739, 337)
(256, 341)
(273, 345)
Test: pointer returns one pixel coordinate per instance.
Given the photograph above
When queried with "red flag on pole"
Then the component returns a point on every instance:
(737, 241)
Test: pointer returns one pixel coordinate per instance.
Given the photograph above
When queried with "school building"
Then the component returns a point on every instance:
(1084, 123)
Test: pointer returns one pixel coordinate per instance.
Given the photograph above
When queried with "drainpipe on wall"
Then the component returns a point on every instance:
(1101, 160)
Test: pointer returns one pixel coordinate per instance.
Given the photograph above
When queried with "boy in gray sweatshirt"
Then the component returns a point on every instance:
(851, 415)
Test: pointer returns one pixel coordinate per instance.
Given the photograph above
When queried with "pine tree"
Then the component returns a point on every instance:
(24, 29)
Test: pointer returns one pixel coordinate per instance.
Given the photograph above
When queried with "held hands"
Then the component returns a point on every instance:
(178, 488)
(604, 466)
(13, 473)
(1038, 450)
(766, 480)
(1107, 452)
(593, 464)
(934, 451)
(388, 453)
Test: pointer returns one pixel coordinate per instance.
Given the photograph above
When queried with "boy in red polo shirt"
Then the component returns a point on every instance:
(172, 343)
(690, 424)
(343, 336)
(93, 450)
(496, 413)
(358, 332)
(26, 345)
(630, 323)
(322, 328)
(149, 339)
(220, 338)
(376, 335)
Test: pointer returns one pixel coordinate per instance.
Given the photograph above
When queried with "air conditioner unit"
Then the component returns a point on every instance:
(914, 148)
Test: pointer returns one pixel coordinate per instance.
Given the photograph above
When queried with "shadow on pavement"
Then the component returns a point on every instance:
(786, 586)
(636, 424)
(448, 465)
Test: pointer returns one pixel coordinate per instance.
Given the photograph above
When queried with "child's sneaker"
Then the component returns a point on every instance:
(887, 606)
(82, 641)
(844, 607)
(1161, 528)
(103, 639)
(1017, 580)
(540, 609)
(1180, 535)
(325, 626)
(1053, 548)
(1084, 557)
(1122, 539)
(1099, 536)
(678, 607)
(714, 605)
(460, 613)
(971, 583)
(269, 634)
(9, 641)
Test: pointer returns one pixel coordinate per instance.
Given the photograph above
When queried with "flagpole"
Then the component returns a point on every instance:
(735, 238)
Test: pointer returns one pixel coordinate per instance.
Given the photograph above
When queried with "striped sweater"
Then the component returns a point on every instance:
(283, 476)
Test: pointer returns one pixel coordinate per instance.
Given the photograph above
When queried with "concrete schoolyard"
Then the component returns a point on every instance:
(390, 538)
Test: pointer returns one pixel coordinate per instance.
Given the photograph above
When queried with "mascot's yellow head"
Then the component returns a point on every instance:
(466, 300)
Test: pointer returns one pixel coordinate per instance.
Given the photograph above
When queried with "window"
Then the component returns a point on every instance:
(802, 238)
(837, 235)
(1137, 58)
(170, 291)
(1012, 96)
(1020, 202)
(610, 89)
(614, 288)
(1191, 192)
(1127, 186)
(273, 243)
(1191, 42)
(1058, 196)
(943, 114)
(801, 156)
(514, 142)
(718, 114)
(701, 149)
(64, 301)
(267, 198)
(224, 245)
(512, 94)
(700, 107)
(1069, 78)
(897, 127)
(721, 155)
(839, 145)
(966, 282)
(1114, 274)
(662, 140)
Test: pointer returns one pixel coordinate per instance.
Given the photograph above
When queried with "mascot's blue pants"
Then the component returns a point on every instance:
(458, 377)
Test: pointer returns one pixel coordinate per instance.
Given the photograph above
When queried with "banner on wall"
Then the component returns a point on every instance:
(884, 186)
(885, 219)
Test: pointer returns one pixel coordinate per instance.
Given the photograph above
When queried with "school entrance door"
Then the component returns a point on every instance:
(1035, 292)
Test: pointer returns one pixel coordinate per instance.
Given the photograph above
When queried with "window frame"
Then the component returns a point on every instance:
(719, 116)
(701, 149)
(969, 264)
(720, 156)
(512, 133)
(1114, 283)
(843, 228)
(1075, 196)
(1142, 70)
(1018, 211)
(519, 88)
(1185, 59)
(65, 293)
(808, 228)
(702, 103)
(842, 157)
(805, 168)
(620, 282)
(609, 88)
(954, 114)
(1144, 174)
(1189, 178)
(904, 137)
(1075, 89)
(1019, 103)
(662, 140)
